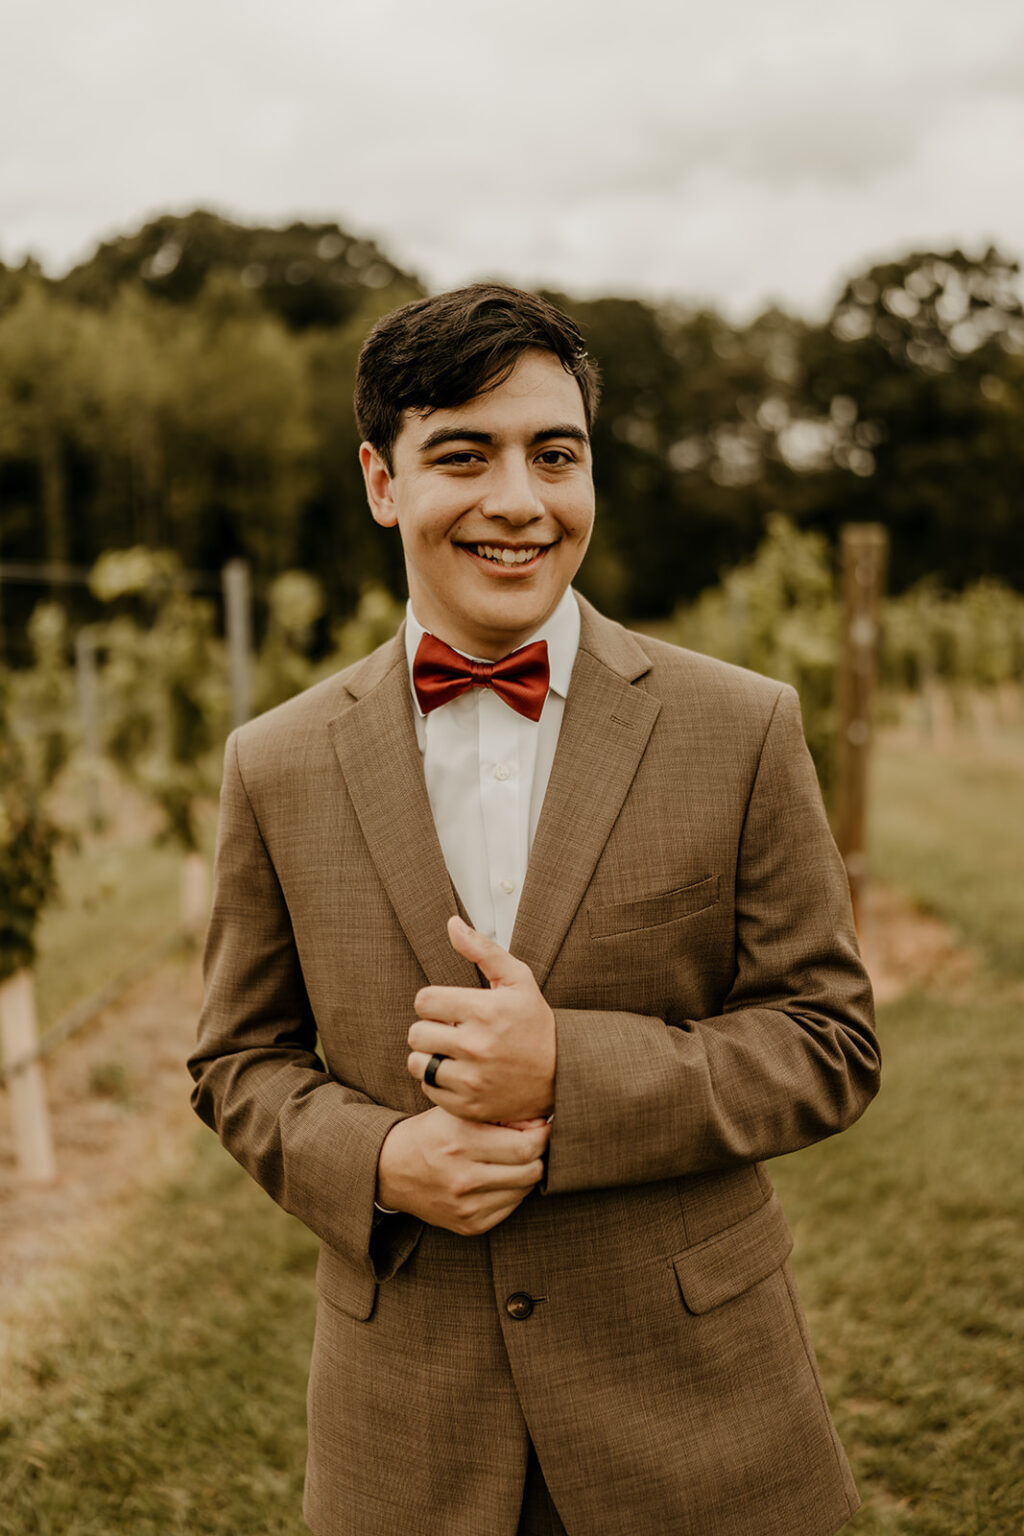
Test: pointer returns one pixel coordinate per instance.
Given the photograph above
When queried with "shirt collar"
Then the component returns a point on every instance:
(561, 631)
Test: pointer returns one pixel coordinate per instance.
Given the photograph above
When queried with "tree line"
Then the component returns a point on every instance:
(189, 387)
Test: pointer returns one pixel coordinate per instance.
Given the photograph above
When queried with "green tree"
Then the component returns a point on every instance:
(237, 439)
(919, 378)
(43, 695)
(168, 401)
(189, 387)
(45, 400)
(305, 274)
(778, 614)
(968, 640)
(295, 604)
(686, 457)
(375, 620)
(337, 538)
(164, 697)
(28, 842)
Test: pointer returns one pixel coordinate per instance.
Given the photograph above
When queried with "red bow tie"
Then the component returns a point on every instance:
(440, 674)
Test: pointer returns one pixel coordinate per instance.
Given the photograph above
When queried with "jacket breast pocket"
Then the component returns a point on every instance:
(733, 1261)
(619, 917)
(343, 1287)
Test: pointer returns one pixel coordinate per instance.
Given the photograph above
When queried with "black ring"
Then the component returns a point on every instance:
(430, 1075)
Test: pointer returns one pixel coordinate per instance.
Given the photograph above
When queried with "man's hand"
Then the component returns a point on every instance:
(456, 1173)
(500, 1044)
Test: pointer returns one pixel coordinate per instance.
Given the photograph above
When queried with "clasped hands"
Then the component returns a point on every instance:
(468, 1162)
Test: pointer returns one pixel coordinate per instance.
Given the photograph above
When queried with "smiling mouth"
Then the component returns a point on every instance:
(506, 556)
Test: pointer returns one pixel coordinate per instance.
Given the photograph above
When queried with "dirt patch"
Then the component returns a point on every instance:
(904, 947)
(118, 1095)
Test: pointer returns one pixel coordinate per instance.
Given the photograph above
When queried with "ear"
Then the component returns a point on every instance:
(378, 479)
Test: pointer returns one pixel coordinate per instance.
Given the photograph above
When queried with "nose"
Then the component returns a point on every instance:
(512, 493)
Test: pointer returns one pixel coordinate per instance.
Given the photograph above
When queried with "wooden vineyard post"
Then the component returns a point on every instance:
(238, 624)
(30, 1118)
(85, 671)
(864, 556)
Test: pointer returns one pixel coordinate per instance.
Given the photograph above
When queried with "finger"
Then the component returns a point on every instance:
(500, 1144)
(427, 1037)
(500, 968)
(490, 1209)
(505, 1176)
(417, 1063)
(449, 1005)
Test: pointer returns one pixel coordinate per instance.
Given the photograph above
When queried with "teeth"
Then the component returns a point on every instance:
(507, 556)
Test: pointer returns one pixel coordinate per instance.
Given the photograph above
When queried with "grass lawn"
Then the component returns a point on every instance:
(165, 1397)
(165, 1394)
(119, 894)
(910, 1258)
(948, 830)
(117, 899)
(910, 1228)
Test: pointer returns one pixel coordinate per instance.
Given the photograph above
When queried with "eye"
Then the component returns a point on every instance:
(460, 459)
(555, 458)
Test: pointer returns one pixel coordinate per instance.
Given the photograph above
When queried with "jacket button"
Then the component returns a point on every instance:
(519, 1306)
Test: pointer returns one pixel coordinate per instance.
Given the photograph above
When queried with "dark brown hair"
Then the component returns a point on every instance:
(440, 352)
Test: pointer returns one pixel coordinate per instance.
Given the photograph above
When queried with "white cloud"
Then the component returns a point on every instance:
(734, 153)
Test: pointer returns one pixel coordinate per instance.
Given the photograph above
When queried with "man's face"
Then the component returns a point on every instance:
(494, 501)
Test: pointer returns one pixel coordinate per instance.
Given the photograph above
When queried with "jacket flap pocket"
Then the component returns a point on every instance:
(344, 1287)
(732, 1261)
(649, 911)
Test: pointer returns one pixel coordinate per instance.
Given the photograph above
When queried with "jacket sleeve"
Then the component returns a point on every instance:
(311, 1143)
(791, 1057)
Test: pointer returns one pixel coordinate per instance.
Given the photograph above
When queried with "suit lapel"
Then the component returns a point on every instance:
(375, 743)
(604, 734)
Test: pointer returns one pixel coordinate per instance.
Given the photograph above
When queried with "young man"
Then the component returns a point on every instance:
(576, 887)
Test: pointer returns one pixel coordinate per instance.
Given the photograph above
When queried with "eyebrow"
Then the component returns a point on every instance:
(487, 439)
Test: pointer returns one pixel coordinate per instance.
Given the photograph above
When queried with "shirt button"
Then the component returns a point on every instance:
(519, 1306)
(501, 772)
(508, 886)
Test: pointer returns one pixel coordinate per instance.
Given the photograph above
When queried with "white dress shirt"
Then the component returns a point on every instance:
(487, 769)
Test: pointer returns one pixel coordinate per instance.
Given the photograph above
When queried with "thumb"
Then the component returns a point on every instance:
(500, 968)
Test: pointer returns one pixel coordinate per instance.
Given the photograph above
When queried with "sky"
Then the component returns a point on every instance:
(729, 152)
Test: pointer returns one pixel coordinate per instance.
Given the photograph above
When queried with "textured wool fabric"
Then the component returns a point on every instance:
(687, 917)
(538, 1516)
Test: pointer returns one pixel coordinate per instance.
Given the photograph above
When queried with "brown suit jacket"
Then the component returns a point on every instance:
(686, 915)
